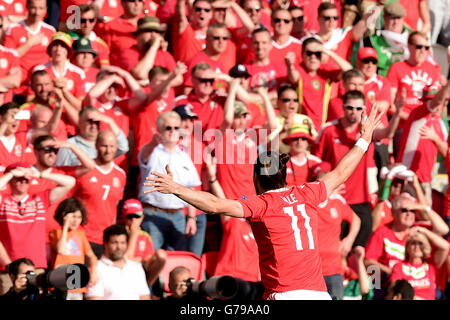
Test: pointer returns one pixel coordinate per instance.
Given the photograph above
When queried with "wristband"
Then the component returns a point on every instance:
(212, 181)
(363, 144)
(427, 208)
(189, 217)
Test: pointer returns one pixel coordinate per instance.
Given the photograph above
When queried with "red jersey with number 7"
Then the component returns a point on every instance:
(284, 223)
(100, 191)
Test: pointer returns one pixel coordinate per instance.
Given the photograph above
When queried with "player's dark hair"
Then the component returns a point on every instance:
(262, 29)
(352, 73)
(13, 267)
(270, 169)
(157, 70)
(284, 88)
(308, 41)
(70, 205)
(325, 6)
(353, 94)
(114, 230)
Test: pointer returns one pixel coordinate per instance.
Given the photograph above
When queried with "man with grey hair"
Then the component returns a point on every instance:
(164, 214)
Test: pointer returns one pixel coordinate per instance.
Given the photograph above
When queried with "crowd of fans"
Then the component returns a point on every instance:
(95, 95)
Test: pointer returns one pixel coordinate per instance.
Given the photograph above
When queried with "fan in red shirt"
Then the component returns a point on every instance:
(298, 17)
(264, 72)
(22, 228)
(100, 190)
(118, 33)
(313, 81)
(84, 58)
(283, 219)
(30, 39)
(420, 263)
(148, 51)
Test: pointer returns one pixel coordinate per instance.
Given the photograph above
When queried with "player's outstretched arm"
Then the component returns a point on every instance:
(351, 159)
(204, 201)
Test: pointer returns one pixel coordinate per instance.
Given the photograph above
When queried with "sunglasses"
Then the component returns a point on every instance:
(92, 121)
(300, 138)
(49, 150)
(407, 210)
(253, 9)
(278, 20)
(198, 9)
(299, 18)
(21, 210)
(328, 18)
(350, 108)
(206, 80)
(92, 20)
(217, 38)
(318, 54)
(285, 100)
(420, 47)
(370, 60)
(21, 180)
(170, 128)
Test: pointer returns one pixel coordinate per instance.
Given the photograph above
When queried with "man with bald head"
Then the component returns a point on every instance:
(100, 189)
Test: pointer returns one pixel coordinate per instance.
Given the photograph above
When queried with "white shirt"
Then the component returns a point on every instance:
(127, 283)
(183, 171)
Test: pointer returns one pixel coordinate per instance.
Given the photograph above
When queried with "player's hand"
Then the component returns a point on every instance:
(161, 182)
(370, 123)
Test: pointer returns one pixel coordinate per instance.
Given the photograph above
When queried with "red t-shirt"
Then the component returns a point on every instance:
(210, 113)
(187, 44)
(17, 150)
(238, 254)
(100, 191)
(216, 66)
(310, 11)
(386, 213)
(300, 173)
(16, 36)
(144, 247)
(131, 57)
(9, 58)
(333, 143)
(414, 78)
(384, 246)
(415, 152)
(270, 76)
(284, 223)
(422, 277)
(279, 52)
(315, 89)
(22, 227)
(143, 123)
(331, 213)
(257, 117)
(13, 8)
(91, 79)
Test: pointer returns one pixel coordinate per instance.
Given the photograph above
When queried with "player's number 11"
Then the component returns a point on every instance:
(300, 208)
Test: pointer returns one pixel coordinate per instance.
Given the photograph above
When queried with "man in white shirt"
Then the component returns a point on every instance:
(164, 214)
(119, 278)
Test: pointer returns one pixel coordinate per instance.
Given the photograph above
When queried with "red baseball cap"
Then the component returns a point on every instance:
(132, 207)
(367, 52)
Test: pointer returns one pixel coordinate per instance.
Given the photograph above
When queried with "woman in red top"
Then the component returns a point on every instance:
(419, 267)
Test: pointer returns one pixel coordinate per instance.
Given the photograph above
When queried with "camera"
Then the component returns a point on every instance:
(54, 284)
(226, 288)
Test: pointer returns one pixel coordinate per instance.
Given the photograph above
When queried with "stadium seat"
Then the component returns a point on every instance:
(180, 258)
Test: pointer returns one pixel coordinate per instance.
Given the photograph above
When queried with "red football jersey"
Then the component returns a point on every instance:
(284, 223)
(299, 173)
(216, 66)
(131, 57)
(279, 52)
(422, 277)
(15, 150)
(270, 76)
(9, 58)
(100, 191)
(187, 44)
(331, 213)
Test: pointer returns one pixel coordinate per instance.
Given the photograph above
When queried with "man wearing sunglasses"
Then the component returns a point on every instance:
(189, 35)
(23, 228)
(298, 19)
(164, 219)
(88, 21)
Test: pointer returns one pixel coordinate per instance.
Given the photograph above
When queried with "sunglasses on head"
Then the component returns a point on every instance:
(299, 18)
(49, 150)
(198, 9)
(318, 54)
(370, 60)
(289, 100)
(170, 128)
(328, 18)
(83, 20)
(206, 80)
(278, 20)
(350, 107)
(421, 46)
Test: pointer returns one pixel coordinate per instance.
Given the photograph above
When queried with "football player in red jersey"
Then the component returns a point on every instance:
(283, 219)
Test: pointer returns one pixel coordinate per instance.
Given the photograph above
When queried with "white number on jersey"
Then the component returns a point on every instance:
(105, 194)
(296, 227)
